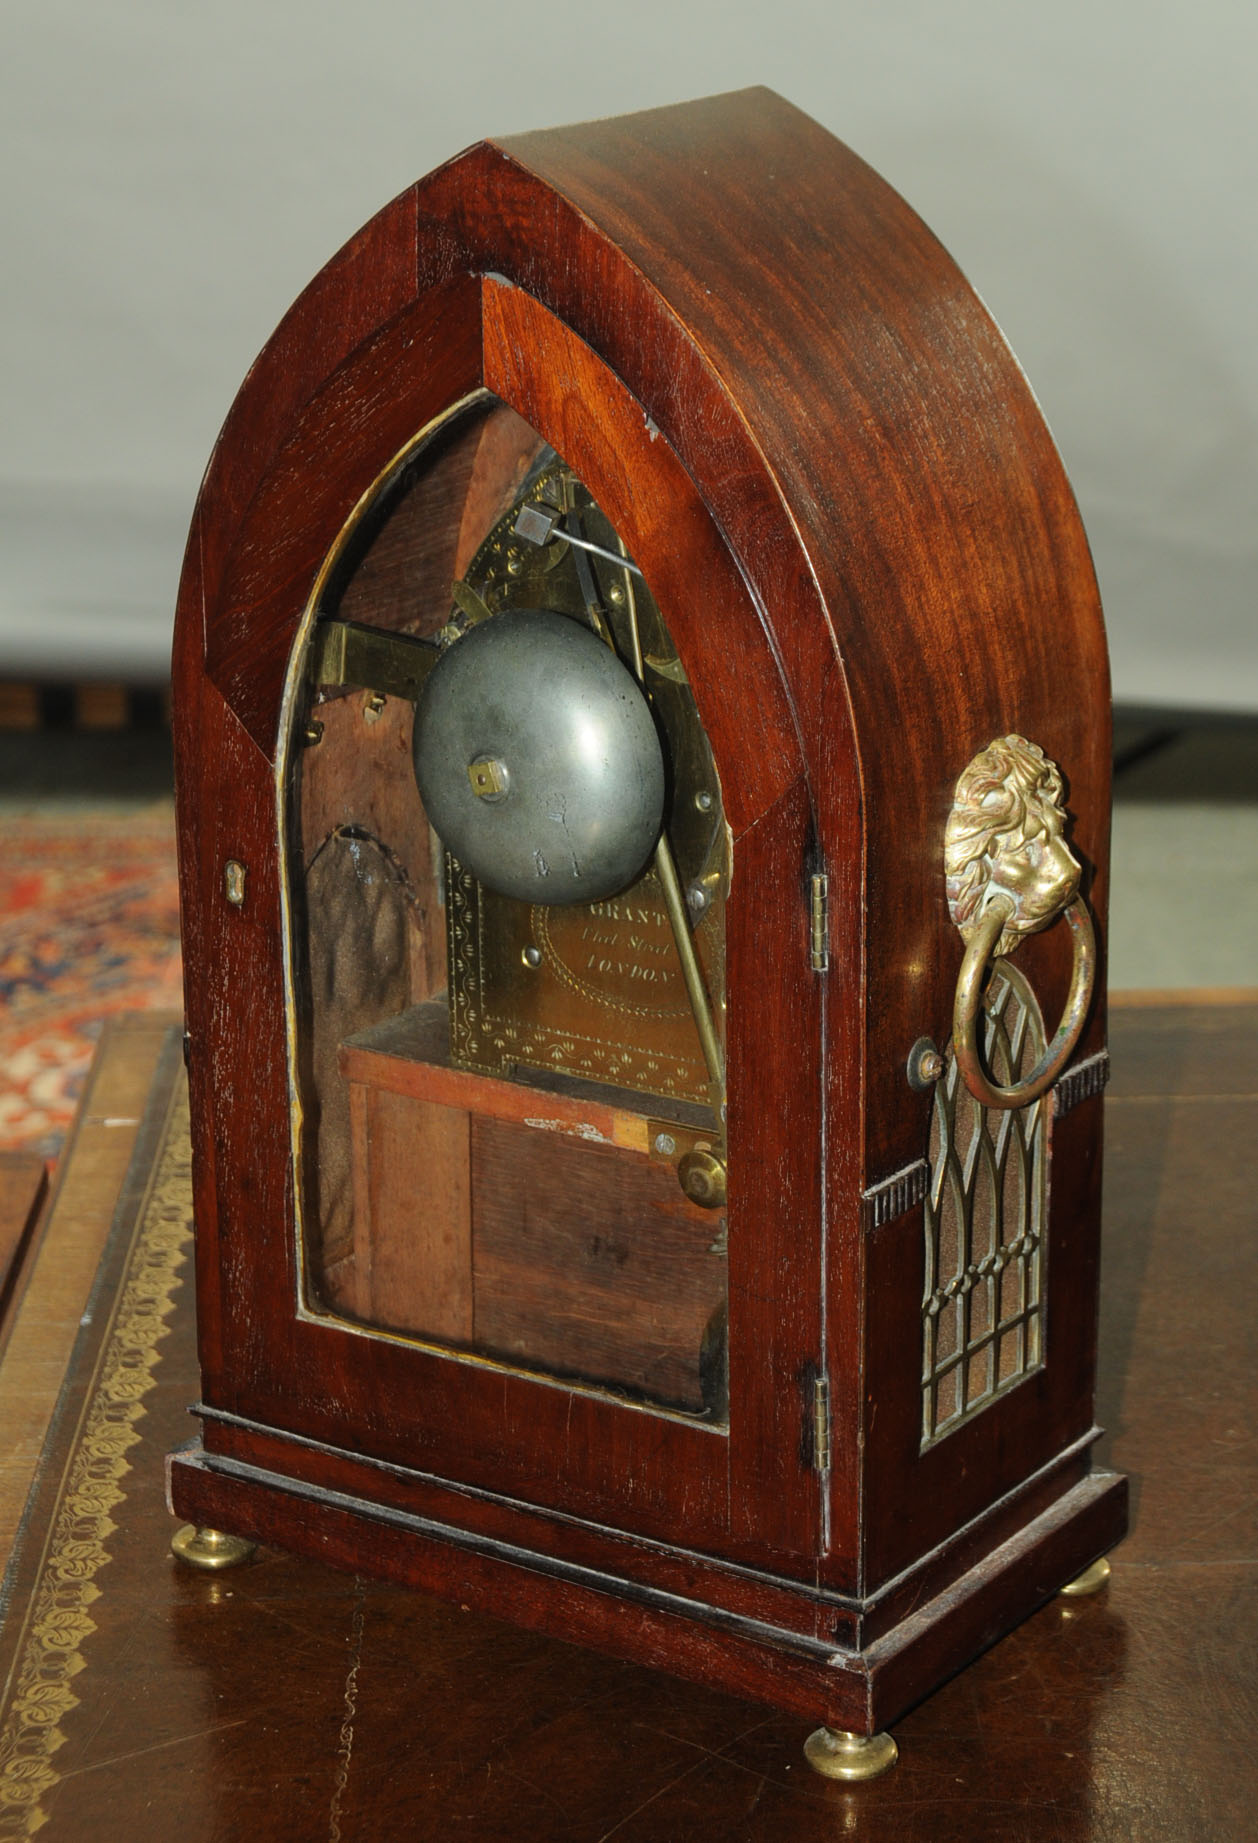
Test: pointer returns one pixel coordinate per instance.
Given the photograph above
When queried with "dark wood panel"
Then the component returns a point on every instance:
(357, 938)
(413, 1218)
(429, 532)
(802, 1675)
(591, 1263)
(664, 1562)
(368, 922)
(400, 379)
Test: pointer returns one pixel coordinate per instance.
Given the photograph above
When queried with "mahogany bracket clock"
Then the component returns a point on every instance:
(643, 757)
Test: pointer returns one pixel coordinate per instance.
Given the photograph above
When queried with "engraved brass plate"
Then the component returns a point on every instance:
(594, 990)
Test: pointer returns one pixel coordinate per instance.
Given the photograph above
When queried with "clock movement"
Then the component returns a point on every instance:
(642, 740)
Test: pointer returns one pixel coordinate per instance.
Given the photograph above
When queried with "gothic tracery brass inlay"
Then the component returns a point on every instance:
(984, 1220)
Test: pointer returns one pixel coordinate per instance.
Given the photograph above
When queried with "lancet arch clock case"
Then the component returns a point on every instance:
(642, 742)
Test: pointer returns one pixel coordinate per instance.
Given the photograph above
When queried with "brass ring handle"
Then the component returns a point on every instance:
(969, 997)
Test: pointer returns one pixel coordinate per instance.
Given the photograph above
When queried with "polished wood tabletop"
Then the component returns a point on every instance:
(285, 1700)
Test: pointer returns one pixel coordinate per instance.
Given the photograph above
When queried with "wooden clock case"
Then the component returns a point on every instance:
(833, 475)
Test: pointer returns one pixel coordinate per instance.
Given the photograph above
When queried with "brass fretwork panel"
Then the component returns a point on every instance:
(982, 1314)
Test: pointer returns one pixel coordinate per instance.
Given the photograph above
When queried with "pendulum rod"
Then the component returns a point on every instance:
(665, 865)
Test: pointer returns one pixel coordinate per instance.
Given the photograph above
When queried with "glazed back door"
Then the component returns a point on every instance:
(509, 959)
(511, 882)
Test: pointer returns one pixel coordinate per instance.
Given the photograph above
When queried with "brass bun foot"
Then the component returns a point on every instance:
(1090, 1581)
(838, 1754)
(211, 1549)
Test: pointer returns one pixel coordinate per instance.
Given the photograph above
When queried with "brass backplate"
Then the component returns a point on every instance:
(594, 990)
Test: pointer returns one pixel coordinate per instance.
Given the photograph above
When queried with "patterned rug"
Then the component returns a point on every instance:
(89, 925)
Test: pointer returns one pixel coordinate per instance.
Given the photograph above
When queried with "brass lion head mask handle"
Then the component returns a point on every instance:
(1010, 873)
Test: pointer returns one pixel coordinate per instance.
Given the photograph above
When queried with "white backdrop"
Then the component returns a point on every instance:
(174, 173)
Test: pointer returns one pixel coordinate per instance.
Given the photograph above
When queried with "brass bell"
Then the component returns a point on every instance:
(538, 761)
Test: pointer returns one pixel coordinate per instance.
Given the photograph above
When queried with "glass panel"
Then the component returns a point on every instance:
(509, 989)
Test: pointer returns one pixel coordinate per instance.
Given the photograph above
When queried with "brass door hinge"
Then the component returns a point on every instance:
(819, 903)
(821, 1424)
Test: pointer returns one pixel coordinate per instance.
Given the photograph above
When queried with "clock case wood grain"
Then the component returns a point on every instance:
(818, 447)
